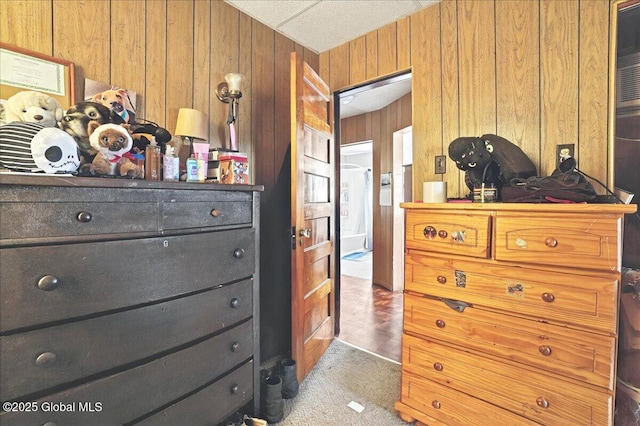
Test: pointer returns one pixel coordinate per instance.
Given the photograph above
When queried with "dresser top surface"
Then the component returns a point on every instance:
(527, 207)
(105, 182)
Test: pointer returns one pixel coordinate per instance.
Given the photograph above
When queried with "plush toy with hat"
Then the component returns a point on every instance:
(30, 106)
(112, 143)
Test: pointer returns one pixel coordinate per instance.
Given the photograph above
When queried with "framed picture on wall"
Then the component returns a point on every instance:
(22, 69)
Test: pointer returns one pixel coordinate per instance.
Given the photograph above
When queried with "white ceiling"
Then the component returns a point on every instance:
(321, 25)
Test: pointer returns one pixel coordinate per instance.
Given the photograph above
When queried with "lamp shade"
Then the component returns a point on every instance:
(192, 123)
(234, 81)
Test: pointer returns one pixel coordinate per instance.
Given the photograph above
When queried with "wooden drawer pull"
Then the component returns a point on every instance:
(548, 297)
(440, 323)
(551, 242)
(48, 283)
(238, 253)
(84, 217)
(442, 279)
(46, 359)
(544, 350)
(234, 389)
(435, 404)
(442, 234)
(542, 402)
(215, 212)
(235, 347)
(235, 303)
(437, 366)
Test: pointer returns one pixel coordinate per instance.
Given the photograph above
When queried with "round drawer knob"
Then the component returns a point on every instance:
(429, 232)
(544, 350)
(542, 402)
(235, 302)
(442, 279)
(238, 253)
(435, 404)
(46, 359)
(48, 283)
(442, 234)
(84, 217)
(548, 297)
(438, 367)
(215, 212)
(235, 347)
(440, 323)
(234, 389)
(551, 242)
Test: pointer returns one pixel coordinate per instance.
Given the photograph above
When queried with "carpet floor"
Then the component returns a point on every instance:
(345, 374)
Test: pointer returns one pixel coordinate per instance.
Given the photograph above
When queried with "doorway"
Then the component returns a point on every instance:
(369, 313)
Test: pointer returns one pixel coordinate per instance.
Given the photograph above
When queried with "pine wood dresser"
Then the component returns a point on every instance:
(127, 301)
(511, 313)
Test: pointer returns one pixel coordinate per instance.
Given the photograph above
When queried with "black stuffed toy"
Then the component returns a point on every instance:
(490, 159)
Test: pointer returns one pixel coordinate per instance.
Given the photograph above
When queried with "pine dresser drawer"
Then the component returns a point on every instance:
(528, 392)
(72, 280)
(567, 299)
(435, 404)
(465, 234)
(131, 394)
(77, 350)
(571, 353)
(590, 242)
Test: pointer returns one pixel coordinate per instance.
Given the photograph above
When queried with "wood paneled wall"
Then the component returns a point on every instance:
(379, 126)
(533, 71)
(173, 53)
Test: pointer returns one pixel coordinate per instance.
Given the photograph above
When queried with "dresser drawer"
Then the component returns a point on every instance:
(448, 232)
(579, 301)
(55, 355)
(184, 214)
(451, 407)
(571, 353)
(536, 395)
(590, 242)
(53, 283)
(211, 405)
(131, 394)
(45, 220)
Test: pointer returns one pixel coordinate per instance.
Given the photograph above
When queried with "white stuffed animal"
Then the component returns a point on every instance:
(33, 107)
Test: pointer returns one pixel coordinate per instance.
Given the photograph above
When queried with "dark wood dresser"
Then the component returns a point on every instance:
(127, 301)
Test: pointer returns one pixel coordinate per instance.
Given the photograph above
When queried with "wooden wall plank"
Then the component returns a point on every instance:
(202, 87)
(559, 78)
(357, 57)
(33, 14)
(403, 42)
(311, 58)
(450, 98)
(387, 49)
(477, 67)
(594, 74)
(517, 75)
(339, 58)
(179, 79)
(156, 65)
(427, 95)
(372, 55)
(246, 113)
(325, 66)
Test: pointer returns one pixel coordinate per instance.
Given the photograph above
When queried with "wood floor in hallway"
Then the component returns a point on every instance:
(370, 317)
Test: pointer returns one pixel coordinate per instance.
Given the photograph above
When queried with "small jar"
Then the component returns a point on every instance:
(485, 193)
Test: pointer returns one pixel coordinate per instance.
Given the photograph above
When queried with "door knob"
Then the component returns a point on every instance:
(305, 232)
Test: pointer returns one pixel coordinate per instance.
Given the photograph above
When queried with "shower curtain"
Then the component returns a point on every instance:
(356, 216)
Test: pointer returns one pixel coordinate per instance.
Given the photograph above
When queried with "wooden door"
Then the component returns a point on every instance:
(312, 217)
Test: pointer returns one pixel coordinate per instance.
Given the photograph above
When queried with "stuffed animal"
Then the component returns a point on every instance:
(117, 100)
(34, 148)
(490, 159)
(76, 123)
(33, 107)
(112, 143)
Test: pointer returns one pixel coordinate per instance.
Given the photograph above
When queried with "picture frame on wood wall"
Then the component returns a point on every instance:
(22, 69)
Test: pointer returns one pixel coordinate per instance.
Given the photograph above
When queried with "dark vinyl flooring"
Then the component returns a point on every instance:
(370, 317)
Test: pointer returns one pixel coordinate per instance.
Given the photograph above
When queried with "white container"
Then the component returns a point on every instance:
(434, 192)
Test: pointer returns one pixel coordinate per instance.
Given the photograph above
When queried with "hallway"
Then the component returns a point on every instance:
(370, 316)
